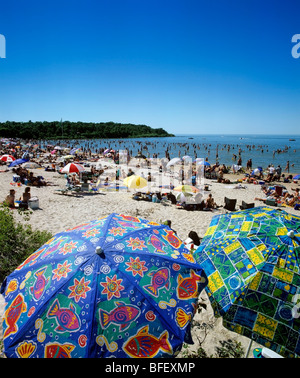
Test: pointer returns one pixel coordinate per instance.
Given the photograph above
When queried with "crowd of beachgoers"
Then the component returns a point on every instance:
(106, 167)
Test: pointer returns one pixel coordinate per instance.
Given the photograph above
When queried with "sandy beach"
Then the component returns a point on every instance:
(59, 212)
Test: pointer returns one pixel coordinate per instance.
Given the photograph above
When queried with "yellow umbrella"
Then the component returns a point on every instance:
(68, 157)
(135, 182)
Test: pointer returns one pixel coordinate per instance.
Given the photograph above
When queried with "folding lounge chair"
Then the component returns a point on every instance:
(230, 204)
(245, 205)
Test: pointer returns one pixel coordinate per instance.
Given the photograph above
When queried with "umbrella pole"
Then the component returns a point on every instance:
(248, 350)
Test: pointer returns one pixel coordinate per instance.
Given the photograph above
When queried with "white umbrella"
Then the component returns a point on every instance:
(187, 158)
(173, 161)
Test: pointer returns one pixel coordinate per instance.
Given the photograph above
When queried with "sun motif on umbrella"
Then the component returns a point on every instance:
(61, 271)
(135, 243)
(117, 231)
(68, 248)
(136, 267)
(112, 287)
(79, 289)
(90, 233)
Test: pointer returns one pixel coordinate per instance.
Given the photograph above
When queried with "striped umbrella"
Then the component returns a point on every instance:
(8, 158)
(73, 168)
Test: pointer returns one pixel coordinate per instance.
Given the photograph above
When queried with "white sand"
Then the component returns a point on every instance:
(57, 213)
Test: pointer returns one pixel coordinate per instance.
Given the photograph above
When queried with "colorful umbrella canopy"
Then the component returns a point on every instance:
(73, 168)
(117, 286)
(75, 151)
(251, 259)
(186, 189)
(7, 158)
(135, 182)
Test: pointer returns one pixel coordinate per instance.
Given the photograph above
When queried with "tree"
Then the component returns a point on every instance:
(17, 242)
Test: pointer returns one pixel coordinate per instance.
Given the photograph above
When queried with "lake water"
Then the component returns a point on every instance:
(262, 149)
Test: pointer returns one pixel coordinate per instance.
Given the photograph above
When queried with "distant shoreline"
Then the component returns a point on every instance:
(55, 130)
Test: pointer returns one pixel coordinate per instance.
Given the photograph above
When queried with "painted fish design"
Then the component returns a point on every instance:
(38, 288)
(187, 287)
(54, 247)
(66, 318)
(13, 313)
(128, 224)
(130, 218)
(172, 239)
(157, 244)
(145, 345)
(57, 350)
(122, 315)
(31, 259)
(160, 278)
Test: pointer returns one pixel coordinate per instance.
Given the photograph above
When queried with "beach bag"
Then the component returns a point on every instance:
(271, 202)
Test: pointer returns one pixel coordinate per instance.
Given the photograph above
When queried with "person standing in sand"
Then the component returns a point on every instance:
(287, 168)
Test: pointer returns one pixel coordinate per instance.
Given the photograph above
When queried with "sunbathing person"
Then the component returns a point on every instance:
(210, 202)
(10, 199)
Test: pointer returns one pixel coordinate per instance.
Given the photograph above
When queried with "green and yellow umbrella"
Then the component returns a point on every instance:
(252, 261)
(186, 189)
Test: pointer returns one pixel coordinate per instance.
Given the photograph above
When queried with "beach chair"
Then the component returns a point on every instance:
(278, 190)
(245, 205)
(84, 187)
(230, 204)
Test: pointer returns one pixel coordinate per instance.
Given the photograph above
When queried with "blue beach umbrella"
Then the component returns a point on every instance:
(205, 163)
(17, 162)
(118, 286)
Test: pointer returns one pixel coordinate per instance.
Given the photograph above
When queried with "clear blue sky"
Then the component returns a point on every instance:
(189, 66)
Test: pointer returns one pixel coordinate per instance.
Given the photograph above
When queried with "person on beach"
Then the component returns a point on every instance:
(130, 172)
(249, 165)
(25, 198)
(210, 203)
(10, 199)
(192, 242)
(287, 168)
(169, 223)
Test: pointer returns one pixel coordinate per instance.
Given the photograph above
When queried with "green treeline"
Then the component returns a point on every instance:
(77, 130)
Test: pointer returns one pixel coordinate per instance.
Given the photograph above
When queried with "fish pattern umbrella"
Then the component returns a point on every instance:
(251, 259)
(117, 286)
